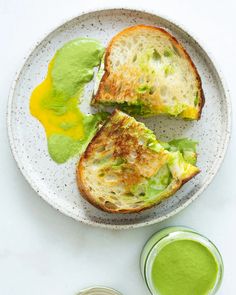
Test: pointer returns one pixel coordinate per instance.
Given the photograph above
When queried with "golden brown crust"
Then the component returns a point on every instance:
(87, 195)
(85, 190)
(173, 40)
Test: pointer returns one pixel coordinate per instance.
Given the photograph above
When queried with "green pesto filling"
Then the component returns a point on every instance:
(168, 53)
(169, 70)
(137, 109)
(183, 153)
(133, 109)
(196, 100)
(154, 186)
(156, 55)
(187, 147)
(158, 183)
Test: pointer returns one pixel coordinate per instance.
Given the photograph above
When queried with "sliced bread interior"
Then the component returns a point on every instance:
(148, 72)
(126, 169)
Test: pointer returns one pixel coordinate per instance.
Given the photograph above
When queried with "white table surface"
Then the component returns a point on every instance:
(43, 252)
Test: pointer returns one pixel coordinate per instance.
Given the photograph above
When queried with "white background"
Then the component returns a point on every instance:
(43, 252)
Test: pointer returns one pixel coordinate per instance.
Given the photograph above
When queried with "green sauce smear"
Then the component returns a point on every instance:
(61, 147)
(55, 102)
(73, 65)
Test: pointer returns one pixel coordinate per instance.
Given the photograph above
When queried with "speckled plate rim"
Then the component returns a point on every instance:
(63, 210)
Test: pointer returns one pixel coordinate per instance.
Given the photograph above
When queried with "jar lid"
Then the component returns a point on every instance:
(99, 290)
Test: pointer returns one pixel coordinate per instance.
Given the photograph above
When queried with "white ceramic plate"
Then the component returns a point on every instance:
(56, 184)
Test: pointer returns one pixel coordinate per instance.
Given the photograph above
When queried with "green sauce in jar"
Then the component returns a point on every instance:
(181, 262)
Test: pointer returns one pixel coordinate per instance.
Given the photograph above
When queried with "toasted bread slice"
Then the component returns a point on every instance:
(125, 169)
(148, 72)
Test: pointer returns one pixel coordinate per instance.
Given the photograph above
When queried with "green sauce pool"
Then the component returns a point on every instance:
(178, 261)
(184, 267)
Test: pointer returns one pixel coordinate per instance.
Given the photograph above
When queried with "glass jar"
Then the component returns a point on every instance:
(99, 290)
(166, 236)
